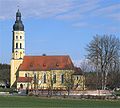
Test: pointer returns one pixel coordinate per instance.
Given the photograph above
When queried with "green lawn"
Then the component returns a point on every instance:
(36, 102)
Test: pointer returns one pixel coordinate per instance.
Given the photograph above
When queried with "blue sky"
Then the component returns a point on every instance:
(58, 27)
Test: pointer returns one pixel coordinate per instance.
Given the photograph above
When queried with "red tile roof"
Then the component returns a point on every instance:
(24, 79)
(42, 63)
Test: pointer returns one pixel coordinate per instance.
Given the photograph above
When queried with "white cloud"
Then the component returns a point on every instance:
(115, 16)
(80, 11)
(62, 9)
(111, 11)
(80, 24)
(34, 8)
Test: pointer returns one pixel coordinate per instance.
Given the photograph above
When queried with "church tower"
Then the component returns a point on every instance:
(18, 48)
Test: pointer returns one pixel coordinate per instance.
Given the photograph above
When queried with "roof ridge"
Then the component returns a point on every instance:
(43, 55)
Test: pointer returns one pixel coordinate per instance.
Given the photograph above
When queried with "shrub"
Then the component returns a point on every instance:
(117, 93)
(10, 90)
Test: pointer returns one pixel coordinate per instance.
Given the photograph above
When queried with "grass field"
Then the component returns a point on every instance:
(36, 102)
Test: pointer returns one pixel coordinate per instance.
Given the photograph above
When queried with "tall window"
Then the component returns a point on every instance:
(21, 85)
(20, 45)
(16, 45)
(25, 74)
(44, 78)
(20, 37)
(54, 78)
(62, 78)
(16, 52)
(16, 37)
(35, 77)
(77, 77)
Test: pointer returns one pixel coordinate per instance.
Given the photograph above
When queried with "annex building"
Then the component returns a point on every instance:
(40, 72)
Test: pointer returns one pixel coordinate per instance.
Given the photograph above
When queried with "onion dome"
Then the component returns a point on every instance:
(18, 26)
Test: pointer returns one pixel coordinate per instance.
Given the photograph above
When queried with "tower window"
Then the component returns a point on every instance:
(16, 37)
(16, 52)
(16, 45)
(20, 37)
(20, 46)
(20, 55)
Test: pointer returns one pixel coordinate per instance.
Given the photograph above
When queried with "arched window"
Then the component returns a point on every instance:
(77, 77)
(62, 78)
(26, 75)
(54, 78)
(44, 78)
(20, 37)
(20, 54)
(16, 45)
(35, 77)
(21, 85)
(16, 52)
(16, 37)
(20, 45)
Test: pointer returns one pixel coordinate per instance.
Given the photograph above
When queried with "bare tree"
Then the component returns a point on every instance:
(103, 52)
(68, 81)
(87, 66)
(51, 81)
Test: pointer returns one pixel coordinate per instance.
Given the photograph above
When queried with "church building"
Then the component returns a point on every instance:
(40, 72)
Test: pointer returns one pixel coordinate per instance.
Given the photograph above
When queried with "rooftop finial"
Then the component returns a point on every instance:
(18, 14)
(18, 7)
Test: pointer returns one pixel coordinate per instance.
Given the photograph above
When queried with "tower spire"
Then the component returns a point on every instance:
(18, 26)
(18, 8)
(18, 48)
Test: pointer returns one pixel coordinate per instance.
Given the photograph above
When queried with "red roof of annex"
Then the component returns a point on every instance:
(24, 79)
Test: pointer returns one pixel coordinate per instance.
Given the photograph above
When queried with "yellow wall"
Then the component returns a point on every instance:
(25, 85)
(19, 53)
(80, 81)
(13, 73)
(49, 76)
